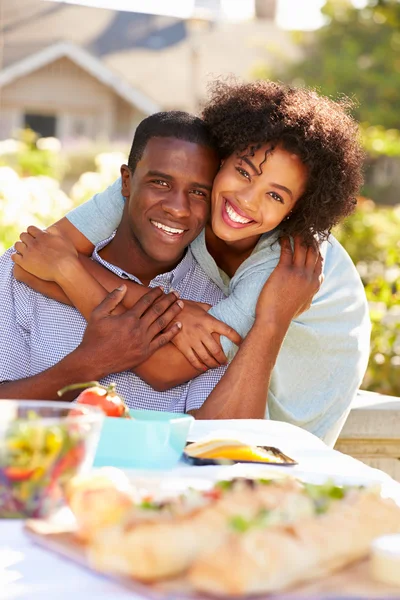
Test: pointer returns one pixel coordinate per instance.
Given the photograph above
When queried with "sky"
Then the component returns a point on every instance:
(291, 14)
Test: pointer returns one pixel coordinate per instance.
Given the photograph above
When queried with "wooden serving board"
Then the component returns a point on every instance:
(351, 583)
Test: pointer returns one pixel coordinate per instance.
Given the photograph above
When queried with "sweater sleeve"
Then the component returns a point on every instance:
(100, 216)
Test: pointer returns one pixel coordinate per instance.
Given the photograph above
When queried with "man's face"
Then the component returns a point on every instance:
(169, 196)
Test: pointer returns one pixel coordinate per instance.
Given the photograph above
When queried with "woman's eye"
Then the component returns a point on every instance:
(276, 197)
(243, 172)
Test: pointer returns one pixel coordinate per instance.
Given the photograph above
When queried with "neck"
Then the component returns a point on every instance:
(229, 255)
(125, 252)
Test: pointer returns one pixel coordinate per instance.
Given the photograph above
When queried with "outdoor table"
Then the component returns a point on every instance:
(29, 572)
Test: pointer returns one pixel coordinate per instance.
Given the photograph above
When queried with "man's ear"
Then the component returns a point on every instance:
(126, 181)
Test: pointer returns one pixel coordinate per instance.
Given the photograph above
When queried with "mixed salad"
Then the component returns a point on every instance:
(36, 459)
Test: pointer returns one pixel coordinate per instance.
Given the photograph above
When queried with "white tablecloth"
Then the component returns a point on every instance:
(27, 572)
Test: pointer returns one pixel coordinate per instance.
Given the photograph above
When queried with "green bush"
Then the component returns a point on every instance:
(371, 237)
(30, 156)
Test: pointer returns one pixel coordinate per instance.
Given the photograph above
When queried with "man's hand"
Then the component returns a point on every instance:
(118, 343)
(291, 287)
(196, 340)
(45, 254)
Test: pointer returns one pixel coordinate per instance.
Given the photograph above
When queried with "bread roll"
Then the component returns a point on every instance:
(154, 551)
(266, 560)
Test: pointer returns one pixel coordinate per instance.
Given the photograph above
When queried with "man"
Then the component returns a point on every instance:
(44, 344)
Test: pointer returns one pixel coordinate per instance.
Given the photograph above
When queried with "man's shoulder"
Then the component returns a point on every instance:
(15, 297)
(6, 269)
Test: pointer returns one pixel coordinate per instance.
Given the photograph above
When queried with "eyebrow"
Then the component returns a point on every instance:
(248, 161)
(159, 174)
(170, 178)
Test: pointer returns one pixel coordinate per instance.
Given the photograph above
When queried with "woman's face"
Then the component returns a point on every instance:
(253, 194)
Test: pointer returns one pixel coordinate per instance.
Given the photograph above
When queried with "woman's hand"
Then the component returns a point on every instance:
(292, 285)
(45, 254)
(198, 339)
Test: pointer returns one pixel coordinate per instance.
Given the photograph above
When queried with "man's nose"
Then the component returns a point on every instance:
(177, 205)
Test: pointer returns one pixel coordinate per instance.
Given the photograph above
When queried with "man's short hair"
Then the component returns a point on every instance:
(174, 124)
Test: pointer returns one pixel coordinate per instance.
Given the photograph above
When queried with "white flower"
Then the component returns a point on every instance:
(11, 147)
(50, 144)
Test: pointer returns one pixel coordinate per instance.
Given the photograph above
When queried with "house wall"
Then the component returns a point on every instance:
(84, 107)
(126, 121)
(10, 120)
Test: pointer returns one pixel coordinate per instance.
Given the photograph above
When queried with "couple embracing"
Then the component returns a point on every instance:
(204, 280)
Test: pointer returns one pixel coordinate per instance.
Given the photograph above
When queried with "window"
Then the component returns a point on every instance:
(44, 125)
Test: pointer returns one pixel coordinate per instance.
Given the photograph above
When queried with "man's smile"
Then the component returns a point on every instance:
(167, 229)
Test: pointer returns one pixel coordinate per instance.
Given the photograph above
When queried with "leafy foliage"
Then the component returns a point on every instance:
(371, 237)
(357, 53)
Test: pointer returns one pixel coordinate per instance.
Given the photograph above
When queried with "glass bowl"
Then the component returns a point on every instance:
(42, 445)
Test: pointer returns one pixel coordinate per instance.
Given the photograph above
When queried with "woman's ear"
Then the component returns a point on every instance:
(126, 181)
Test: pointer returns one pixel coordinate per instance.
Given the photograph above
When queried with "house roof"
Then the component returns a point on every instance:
(86, 61)
(154, 54)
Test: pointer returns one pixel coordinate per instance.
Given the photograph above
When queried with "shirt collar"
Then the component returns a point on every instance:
(168, 280)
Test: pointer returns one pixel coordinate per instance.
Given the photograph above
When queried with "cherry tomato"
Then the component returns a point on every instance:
(18, 473)
(104, 397)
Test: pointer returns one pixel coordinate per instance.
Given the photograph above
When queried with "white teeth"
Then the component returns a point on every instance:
(234, 215)
(169, 230)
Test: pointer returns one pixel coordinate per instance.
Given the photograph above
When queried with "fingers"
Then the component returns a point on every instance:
(34, 231)
(318, 269)
(194, 360)
(164, 319)
(165, 337)
(300, 252)
(223, 329)
(215, 356)
(26, 239)
(312, 257)
(156, 312)
(20, 247)
(286, 257)
(110, 302)
(146, 302)
(17, 260)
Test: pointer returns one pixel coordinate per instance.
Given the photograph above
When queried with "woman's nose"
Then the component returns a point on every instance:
(248, 197)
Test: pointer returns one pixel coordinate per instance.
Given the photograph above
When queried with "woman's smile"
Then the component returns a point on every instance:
(233, 216)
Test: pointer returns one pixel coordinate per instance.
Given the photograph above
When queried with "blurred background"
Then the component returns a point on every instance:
(76, 77)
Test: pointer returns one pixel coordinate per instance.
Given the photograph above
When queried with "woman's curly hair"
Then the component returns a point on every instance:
(245, 116)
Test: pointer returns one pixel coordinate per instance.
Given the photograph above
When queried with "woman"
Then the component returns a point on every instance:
(291, 165)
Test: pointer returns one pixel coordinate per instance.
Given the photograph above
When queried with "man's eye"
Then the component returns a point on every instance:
(160, 182)
(276, 197)
(199, 193)
(243, 172)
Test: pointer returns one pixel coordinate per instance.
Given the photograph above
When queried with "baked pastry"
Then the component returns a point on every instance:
(270, 558)
(153, 551)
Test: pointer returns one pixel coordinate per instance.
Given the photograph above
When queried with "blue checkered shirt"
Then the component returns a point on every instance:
(37, 332)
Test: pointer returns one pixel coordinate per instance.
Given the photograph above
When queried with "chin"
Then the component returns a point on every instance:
(226, 233)
(167, 257)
